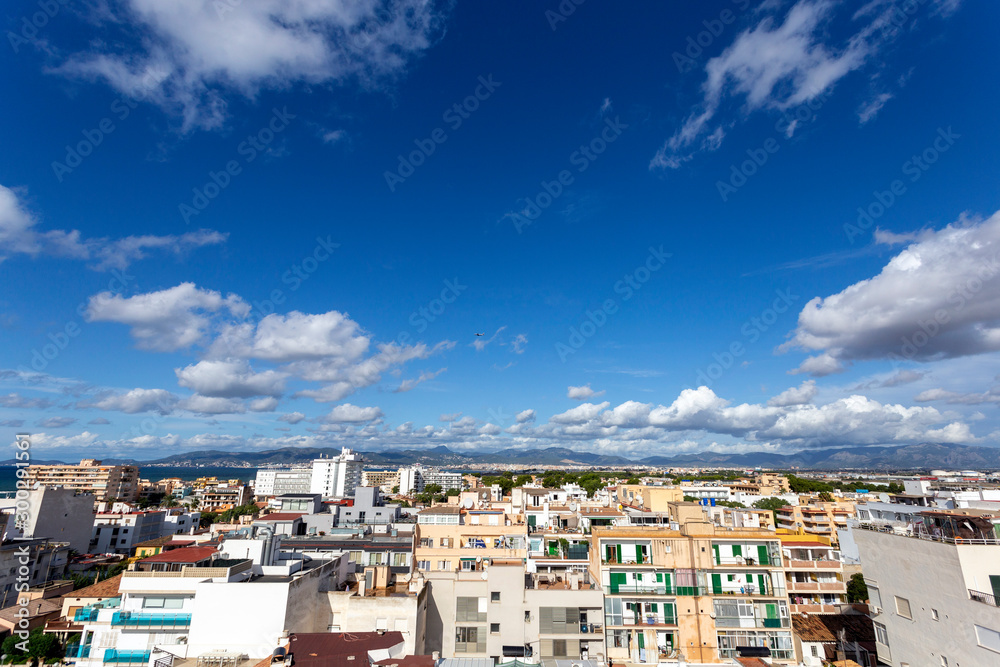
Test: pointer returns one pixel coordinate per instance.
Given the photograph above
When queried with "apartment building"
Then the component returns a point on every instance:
(381, 478)
(738, 517)
(59, 514)
(764, 484)
(814, 575)
(450, 539)
(939, 581)
(120, 532)
(46, 560)
(708, 592)
(446, 480)
(338, 476)
(649, 498)
(369, 508)
(224, 496)
(105, 482)
(189, 603)
(816, 518)
(279, 481)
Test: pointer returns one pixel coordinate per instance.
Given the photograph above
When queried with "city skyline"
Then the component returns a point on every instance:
(733, 227)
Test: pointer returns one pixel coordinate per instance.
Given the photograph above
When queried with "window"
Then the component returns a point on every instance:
(881, 636)
(470, 640)
(988, 639)
(400, 559)
(355, 556)
(469, 610)
(162, 603)
(903, 607)
(426, 542)
(444, 565)
(874, 596)
(815, 651)
(934, 615)
(494, 628)
(424, 565)
(495, 596)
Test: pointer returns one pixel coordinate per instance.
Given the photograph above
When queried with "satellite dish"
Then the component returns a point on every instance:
(572, 507)
(884, 497)
(467, 503)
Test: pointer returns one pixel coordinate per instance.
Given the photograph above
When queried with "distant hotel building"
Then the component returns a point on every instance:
(280, 481)
(105, 482)
(415, 478)
(337, 477)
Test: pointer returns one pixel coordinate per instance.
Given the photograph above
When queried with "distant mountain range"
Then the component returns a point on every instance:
(904, 457)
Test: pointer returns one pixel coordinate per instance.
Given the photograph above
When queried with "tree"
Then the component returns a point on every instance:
(690, 499)
(40, 646)
(632, 480)
(452, 492)
(857, 589)
(895, 487)
(395, 489)
(521, 480)
(826, 497)
(772, 504)
(207, 519)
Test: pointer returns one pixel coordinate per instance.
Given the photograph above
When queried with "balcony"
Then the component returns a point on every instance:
(985, 598)
(656, 589)
(77, 651)
(132, 620)
(751, 622)
(113, 656)
(814, 608)
(821, 564)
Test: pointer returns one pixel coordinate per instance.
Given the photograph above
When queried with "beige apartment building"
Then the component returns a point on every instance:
(814, 575)
(105, 482)
(816, 518)
(381, 478)
(700, 590)
(764, 484)
(649, 498)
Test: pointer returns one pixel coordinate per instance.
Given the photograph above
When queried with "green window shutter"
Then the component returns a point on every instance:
(531, 520)
(762, 580)
(609, 552)
(717, 584)
(718, 559)
(762, 555)
(737, 550)
(638, 553)
(618, 552)
(617, 579)
(772, 610)
(659, 577)
(641, 639)
(654, 607)
(666, 580)
(995, 583)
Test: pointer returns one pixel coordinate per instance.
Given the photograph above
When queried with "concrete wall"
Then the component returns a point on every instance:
(351, 613)
(62, 515)
(929, 575)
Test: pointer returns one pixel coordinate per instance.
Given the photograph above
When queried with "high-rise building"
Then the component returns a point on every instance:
(280, 481)
(337, 477)
(105, 482)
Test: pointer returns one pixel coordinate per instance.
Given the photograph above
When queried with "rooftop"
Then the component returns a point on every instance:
(102, 589)
(183, 555)
(280, 516)
(339, 649)
(824, 627)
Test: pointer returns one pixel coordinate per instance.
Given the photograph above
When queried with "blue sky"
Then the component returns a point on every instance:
(732, 226)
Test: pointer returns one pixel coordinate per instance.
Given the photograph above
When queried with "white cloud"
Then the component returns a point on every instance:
(265, 404)
(19, 236)
(582, 393)
(407, 385)
(292, 417)
(579, 414)
(230, 378)
(334, 136)
(135, 401)
(56, 422)
(525, 416)
(938, 298)
(804, 393)
(481, 342)
(167, 320)
(212, 405)
(186, 55)
(19, 402)
(47, 441)
(517, 345)
(352, 414)
(775, 66)
(870, 109)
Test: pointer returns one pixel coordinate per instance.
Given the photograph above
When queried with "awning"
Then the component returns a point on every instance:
(513, 652)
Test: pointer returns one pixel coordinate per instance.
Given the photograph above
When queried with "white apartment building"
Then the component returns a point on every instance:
(279, 481)
(414, 479)
(933, 591)
(411, 480)
(119, 532)
(337, 477)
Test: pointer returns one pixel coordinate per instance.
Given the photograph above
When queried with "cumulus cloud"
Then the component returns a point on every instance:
(897, 379)
(777, 64)
(938, 298)
(579, 414)
(352, 414)
(230, 378)
(292, 417)
(135, 401)
(582, 393)
(804, 393)
(265, 404)
(525, 416)
(168, 320)
(186, 56)
(212, 405)
(19, 235)
(19, 402)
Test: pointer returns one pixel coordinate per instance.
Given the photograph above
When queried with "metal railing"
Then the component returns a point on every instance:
(661, 589)
(129, 619)
(920, 533)
(985, 598)
(77, 651)
(114, 656)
